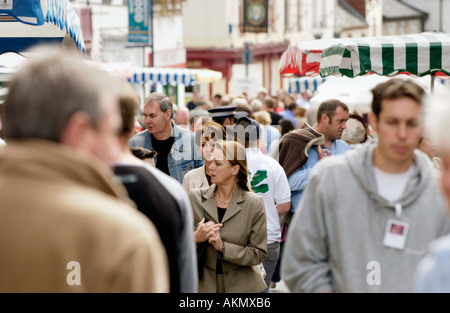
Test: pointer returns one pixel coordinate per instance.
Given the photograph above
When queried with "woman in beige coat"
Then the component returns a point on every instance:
(236, 227)
(204, 138)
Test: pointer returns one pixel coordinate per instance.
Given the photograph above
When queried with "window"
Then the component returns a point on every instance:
(402, 28)
(414, 27)
(391, 28)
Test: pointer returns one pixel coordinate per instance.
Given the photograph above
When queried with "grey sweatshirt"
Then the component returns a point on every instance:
(339, 227)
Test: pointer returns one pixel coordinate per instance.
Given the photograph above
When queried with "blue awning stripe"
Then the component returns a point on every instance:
(164, 76)
(62, 14)
(301, 84)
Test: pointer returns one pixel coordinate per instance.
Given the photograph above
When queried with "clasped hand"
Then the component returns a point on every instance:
(209, 231)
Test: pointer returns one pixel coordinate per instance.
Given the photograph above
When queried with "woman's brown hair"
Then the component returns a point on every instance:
(235, 154)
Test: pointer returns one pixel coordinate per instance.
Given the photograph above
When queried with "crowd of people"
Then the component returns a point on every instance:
(228, 195)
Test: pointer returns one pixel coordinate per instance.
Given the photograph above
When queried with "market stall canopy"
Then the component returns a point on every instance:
(302, 58)
(416, 54)
(301, 84)
(174, 76)
(207, 76)
(26, 23)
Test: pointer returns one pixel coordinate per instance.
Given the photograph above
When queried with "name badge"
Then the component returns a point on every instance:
(395, 235)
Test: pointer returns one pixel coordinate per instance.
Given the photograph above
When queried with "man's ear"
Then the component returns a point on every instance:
(168, 114)
(77, 131)
(324, 117)
(373, 121)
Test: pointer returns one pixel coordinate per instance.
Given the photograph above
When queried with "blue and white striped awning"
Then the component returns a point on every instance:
(25, 23)
(173, 76)
(301, 84)
(164, 76)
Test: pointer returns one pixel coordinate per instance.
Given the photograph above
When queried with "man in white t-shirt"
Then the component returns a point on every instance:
(269, 180)
(367, 216)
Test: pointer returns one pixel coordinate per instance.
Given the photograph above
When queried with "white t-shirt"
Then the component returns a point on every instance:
(269, 180)
(391, 186)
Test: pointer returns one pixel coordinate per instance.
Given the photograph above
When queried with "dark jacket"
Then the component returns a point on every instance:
(158, 205)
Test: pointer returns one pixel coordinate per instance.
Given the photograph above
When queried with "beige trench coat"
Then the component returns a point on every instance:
(244, 234)
(195, 178)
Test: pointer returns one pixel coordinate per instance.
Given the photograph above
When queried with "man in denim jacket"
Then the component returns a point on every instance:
(177, 153)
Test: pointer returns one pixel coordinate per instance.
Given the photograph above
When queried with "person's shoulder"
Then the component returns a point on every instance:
(271, 162)
(104, 214)
(340, 144)
(128, 168)
(272, 129)
(255, 201)
(138, 139)
(422, 158)
(336, 163)
(441, 245)
(252, 196)
(189, 175)
(438, 254)
(306, 132)
(141, 134)
(272, 113)
(343, 162)
(183, 130)
(168, 181)
(207, 192)
(194, 172)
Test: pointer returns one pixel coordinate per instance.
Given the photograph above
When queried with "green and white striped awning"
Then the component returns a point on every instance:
(416, 54)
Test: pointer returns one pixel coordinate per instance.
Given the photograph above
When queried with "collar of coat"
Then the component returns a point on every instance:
(209, 203)
(199, 179)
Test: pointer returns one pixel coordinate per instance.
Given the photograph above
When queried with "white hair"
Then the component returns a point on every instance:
(239, 101)
(256, 105)
(437, 117)
(355, 132)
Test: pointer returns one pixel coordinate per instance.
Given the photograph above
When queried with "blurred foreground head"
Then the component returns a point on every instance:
(437, 119)
(58, 97)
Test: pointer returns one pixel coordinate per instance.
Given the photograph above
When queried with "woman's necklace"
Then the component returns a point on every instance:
(217, 196)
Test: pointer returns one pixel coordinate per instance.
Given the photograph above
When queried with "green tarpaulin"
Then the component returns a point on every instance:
(416, 54)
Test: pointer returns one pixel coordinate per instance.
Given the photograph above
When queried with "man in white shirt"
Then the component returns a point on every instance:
(269, 180)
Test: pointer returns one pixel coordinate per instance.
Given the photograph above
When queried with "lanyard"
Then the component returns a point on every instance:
(398, 210)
